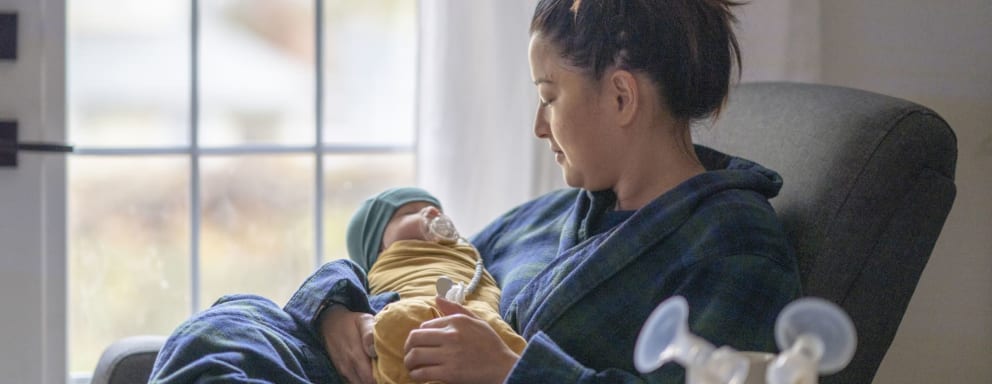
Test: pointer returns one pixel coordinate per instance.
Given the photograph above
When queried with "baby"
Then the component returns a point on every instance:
(409, 247)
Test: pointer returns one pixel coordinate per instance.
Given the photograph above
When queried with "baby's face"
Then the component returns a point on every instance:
(407, 222)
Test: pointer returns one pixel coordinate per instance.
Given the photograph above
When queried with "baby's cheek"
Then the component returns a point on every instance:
(412, 229)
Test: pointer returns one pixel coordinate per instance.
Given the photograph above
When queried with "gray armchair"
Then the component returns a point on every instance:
(869, 181)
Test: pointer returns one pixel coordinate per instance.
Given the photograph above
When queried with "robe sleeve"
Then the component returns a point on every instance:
(340, 282)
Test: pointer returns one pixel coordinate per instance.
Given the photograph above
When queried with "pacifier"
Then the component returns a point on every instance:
(440, 229)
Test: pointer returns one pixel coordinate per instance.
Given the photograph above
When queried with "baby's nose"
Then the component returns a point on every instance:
(430, 212)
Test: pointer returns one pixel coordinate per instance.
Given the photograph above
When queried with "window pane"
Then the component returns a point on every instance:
(257, 72)
(348, 180)
(369, 64)
(129, 78)
(257, 228)
(128, 250)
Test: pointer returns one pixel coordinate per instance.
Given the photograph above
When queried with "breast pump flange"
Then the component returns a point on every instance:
(814, 335)
(666, 338)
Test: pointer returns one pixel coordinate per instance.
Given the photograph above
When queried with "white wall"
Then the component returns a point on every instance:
(32, 203)
(780, 40)
(937, 54)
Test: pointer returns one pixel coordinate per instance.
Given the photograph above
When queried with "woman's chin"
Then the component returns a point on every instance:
(571, 180)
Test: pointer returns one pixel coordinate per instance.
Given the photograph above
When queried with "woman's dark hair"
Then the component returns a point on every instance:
(687, 47)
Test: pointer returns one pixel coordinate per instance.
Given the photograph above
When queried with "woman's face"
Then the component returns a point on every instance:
(571, 118)
(407, 222)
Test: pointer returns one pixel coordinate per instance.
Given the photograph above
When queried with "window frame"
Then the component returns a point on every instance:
(193, 151)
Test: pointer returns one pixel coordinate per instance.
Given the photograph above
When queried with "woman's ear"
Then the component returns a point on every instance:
(624, 90)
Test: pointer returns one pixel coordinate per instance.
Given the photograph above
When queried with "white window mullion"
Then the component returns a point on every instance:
(319, 134)
(194, 193)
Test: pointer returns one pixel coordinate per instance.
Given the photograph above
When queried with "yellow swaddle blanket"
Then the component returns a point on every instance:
(411, 269)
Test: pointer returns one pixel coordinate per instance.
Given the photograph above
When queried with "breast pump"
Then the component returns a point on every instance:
(441, 229)
(816, 337)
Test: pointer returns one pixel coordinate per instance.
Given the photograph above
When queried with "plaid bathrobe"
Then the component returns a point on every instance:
(578, 282)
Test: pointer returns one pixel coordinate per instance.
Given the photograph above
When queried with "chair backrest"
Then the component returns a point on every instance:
(869, 181)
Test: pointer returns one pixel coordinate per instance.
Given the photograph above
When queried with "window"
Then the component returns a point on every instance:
(222, 145)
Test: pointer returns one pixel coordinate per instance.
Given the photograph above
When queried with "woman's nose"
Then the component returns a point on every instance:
(541, 127)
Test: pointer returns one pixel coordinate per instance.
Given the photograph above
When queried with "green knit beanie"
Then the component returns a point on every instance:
(364, 235)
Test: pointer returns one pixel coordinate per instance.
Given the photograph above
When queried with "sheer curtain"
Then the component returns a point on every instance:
(476, 148)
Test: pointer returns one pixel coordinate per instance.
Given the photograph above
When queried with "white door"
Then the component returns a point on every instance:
(32, 200)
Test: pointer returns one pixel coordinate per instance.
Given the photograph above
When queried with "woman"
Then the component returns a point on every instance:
(651, 216)
(619, 83)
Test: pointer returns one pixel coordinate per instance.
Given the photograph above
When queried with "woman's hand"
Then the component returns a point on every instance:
(349, 342)
(457, 348)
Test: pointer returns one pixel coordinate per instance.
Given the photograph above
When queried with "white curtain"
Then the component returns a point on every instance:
(476, 148)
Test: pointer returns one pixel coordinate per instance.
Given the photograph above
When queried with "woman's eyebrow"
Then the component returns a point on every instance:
(543, 80)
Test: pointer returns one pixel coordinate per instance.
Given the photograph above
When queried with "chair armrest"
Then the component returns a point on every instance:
(128, 360)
